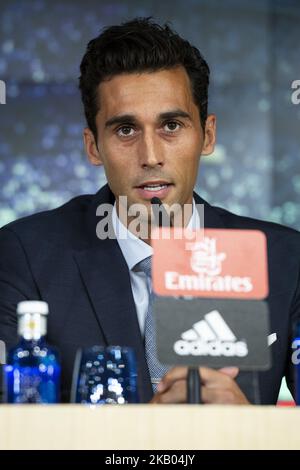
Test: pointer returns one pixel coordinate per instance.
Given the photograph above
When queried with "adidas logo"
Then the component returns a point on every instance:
(210, 337)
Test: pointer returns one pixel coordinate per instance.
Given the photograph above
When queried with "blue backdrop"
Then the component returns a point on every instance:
(253, 49)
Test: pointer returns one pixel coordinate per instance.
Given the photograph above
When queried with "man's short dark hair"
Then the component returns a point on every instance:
(139, 45)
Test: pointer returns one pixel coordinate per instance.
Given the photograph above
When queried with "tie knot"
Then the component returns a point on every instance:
(144, 266)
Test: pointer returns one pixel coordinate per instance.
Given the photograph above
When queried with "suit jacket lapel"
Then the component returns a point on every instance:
(106, 277)
(212, 219)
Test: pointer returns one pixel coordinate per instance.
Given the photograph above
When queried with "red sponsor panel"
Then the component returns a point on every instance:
(214, 263)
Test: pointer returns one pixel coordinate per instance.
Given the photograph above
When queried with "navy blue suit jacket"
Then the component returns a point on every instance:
(56, 256)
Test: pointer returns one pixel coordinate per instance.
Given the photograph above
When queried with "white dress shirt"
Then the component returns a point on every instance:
(135, 250)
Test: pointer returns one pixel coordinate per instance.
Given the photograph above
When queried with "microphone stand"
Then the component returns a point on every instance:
(194, 386)
(193, 377)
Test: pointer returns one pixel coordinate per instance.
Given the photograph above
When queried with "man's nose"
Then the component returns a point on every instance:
(150, 151)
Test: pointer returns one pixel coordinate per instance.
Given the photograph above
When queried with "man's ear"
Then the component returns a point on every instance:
(91, 147)
(209, 135)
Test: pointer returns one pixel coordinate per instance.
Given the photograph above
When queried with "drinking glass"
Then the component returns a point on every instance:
(105, 376)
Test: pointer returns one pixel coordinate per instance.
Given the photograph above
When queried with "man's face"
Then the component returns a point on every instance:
(149, 136)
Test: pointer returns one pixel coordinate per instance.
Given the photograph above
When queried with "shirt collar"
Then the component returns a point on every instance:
(133, 248)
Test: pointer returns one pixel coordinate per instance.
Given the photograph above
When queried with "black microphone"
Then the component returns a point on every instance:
(193, 379)
(160, 214)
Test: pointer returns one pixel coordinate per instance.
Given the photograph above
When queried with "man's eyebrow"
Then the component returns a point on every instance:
(176, 113)
(131, 119)
(122, 119)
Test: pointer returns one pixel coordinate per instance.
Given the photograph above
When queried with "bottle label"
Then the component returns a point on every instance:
(33, 384)
(32, 326)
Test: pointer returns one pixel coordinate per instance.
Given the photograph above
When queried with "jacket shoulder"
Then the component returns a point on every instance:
(232, 220)
(63, 219)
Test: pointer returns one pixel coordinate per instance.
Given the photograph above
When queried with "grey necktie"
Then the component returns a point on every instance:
(156, 369)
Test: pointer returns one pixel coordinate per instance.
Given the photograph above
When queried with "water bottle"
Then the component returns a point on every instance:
(32, 371)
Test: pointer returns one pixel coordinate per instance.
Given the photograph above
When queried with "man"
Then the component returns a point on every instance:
(144, 91)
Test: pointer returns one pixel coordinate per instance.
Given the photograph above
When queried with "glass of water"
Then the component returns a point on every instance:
(105, 376)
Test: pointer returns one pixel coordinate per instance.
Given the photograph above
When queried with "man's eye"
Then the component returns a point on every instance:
(172, 126)
(125, 131)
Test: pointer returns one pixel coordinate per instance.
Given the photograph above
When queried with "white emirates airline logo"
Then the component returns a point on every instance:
(206, 263)
(205, 259)
(210, 337)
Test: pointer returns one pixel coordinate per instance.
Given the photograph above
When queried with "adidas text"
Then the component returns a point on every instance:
(211, 348)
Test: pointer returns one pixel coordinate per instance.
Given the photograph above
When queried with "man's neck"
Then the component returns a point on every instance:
(141, 226)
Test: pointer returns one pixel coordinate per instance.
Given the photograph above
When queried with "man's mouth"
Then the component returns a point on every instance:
(154, 188)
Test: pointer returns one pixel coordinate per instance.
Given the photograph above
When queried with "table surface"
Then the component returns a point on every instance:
(148, 427)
